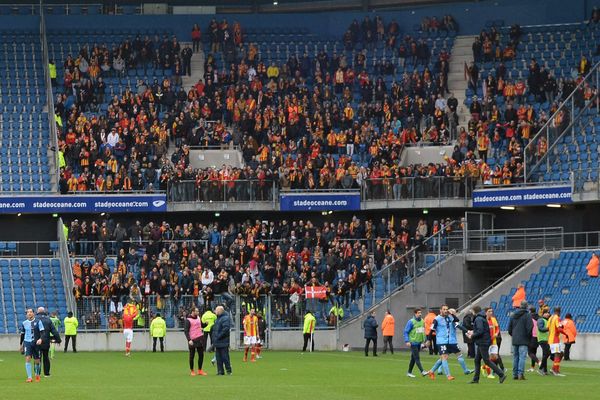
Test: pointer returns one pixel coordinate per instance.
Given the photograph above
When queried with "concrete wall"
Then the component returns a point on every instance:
(432, 289)
(280, 340)
(471, 17)
(215, 158)
(512, 281)
(426, 155)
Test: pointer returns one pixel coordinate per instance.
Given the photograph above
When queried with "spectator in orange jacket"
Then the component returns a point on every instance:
(570, 334)
(388, 328)
(592, 267)
(519, 296)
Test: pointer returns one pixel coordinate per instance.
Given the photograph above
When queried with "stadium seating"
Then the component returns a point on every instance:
(25, 136)
(558, 49)
(29, 283)
(62, 43)
(563, 282)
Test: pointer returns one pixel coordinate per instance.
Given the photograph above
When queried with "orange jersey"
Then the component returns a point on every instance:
(130, 313)
(494, 329)
(554, 329)
(250, 325)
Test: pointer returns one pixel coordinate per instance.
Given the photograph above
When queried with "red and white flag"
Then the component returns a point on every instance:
(315, 292)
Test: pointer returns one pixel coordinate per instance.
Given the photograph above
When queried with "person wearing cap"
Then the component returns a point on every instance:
(520, 329)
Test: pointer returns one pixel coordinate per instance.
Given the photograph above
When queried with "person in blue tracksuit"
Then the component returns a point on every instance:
(445, 326)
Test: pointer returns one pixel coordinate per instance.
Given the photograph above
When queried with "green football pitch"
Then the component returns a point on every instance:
(278, 375)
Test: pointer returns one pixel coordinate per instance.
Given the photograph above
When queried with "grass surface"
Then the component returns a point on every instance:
(279, 375)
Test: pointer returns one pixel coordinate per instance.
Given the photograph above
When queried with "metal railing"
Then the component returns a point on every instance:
(416, 188)
(405, 270)
(65, 265)
(49, 96)
(508, 240)
(280, 312)
(552, 133)
(29, 249)
(500, 281)
(222, 191)
(111, 248)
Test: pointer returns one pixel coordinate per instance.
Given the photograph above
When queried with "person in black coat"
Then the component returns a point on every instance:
(520, 328)
(370, 326)
(481, 337)
(467, 322)
(221, 340)
(41, 336)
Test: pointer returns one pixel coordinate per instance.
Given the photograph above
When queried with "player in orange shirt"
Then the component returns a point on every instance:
(251, 337)
(555, 329)
(130, 314)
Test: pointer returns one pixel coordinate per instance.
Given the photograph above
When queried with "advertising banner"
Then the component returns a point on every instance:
(83, 204)
(522, 196)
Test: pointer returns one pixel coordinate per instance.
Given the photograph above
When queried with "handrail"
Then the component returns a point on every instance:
(546, 126)
(49, 96)
(65, 266)
(406, 256)
(405, 284)
(497, 283)
(569, 127)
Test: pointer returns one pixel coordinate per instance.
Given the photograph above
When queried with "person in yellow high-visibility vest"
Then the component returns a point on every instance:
(309, 329)
(158, 331)
(52, 72)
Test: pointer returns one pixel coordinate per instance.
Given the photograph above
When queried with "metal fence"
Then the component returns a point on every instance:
(284, 311)
(507, 240)
(111, 248)
(222, 191)
(411, 188)
(29, 249)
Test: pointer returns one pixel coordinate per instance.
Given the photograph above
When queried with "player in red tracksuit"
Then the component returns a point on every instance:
(130, 315)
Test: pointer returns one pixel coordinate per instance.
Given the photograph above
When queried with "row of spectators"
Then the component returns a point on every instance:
(372, 31)
(99, 60)
(249, 258)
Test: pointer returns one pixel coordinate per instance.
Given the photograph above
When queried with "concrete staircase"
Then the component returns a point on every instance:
(506, 283)
(462, 52)
(197, 69)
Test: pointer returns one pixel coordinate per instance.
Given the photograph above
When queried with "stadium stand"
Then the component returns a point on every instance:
(28, 283)
(276, 89)
(562, 282)
(25, 135)
(520, 77)
(348, 257)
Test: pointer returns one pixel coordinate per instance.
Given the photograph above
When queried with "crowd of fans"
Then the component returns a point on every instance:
(250, 258)
(307, 122)
(504, 120)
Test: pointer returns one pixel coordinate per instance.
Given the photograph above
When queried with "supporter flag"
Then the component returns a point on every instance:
(315, 292)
